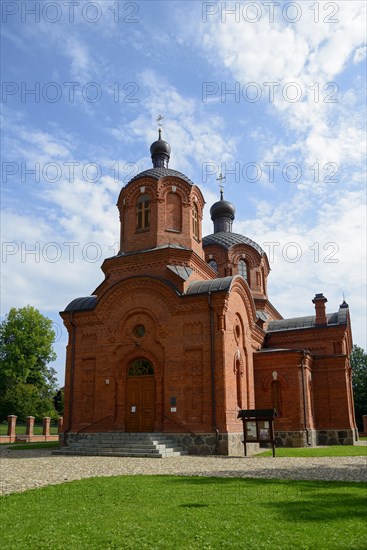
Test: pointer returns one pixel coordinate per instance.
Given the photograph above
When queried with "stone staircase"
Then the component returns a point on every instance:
(142, 445)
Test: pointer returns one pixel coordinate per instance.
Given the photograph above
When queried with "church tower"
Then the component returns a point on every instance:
(230, 253)
(161, 207)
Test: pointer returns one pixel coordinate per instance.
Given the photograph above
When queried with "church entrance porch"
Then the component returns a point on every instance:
(139, 415)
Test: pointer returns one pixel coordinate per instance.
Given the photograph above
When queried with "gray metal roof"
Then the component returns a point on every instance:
(160, 247)
(228, 239)
(182, 271)
(215, 285)
(262, 315)
(338, 318)
(82, 304)
(161, 172)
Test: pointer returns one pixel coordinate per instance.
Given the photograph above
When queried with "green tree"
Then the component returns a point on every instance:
(358, 362)
(26, 400)
(26, 339)
(58, 401)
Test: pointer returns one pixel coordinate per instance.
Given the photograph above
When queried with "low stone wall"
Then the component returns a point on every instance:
(29, 436)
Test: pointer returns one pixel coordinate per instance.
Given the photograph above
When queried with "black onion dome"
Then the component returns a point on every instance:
(222, 213)
(160, 152)
(222, 208)
(160, 146)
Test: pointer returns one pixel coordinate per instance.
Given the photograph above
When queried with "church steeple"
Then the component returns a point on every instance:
(222, 213)
(160, 152)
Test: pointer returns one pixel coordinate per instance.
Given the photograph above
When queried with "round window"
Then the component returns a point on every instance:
(139, 331)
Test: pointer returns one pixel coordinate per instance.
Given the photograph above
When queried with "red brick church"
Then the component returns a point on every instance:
(181, 335)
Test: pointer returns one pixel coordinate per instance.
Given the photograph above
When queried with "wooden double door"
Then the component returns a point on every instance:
(139, 404)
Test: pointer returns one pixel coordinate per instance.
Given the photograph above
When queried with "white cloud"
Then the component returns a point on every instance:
(331, 255)
(360, 54)
(306, 53)
(81, 63)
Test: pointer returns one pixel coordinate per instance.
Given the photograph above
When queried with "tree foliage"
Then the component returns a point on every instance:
(58, 401)
(26, 400)
(26, 339)
(26, 349)
(358, 362)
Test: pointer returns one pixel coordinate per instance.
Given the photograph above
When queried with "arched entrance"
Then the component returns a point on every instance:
(140, 397)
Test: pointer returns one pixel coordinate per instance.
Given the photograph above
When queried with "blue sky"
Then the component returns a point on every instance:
(270, 93)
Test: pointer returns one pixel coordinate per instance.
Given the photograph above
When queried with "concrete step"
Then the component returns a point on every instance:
(126, 441)
(118, 453)
(129, 444)
(127, 449)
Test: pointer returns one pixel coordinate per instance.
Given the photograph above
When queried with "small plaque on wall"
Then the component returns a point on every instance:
(173, 409)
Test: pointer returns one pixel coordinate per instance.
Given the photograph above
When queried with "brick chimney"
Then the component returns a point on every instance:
(320, 307)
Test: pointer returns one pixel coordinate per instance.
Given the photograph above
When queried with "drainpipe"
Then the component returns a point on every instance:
(304, 398)
(71, 392)
(212, 363)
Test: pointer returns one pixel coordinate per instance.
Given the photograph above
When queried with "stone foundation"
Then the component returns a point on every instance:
(231, 444)
(228, 444)
(336, 437)
(315, 437)
(295, 439)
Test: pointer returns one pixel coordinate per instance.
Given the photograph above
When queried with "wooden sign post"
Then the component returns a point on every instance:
(258, 426)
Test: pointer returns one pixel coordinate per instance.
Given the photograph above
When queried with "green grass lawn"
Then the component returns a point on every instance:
(20, 429)
(333, 450)
(26, 446)
(167, 512)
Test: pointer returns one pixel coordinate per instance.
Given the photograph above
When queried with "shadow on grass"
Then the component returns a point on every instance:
(194, 505)
(306, 501)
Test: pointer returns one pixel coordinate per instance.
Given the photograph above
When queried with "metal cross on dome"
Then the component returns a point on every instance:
(221, 178)
(159, 122)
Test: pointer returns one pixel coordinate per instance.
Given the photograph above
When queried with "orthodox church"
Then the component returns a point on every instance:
(181, 334)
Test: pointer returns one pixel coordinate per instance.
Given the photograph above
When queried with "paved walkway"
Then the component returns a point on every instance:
(22, 470)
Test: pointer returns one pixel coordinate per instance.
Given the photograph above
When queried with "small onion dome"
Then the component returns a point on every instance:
(160, 152)
(222, 213)
(222, 209)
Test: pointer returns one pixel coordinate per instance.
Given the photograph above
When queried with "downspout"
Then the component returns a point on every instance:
(212, 363)
(304, 398)
(72, 368)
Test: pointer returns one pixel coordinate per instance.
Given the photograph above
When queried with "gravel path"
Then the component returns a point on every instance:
(22, 470)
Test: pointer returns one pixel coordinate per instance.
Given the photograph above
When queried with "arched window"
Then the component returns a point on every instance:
(242, 269)
(143, 212)
(195, 222)
(213, 264)
(141, 367)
